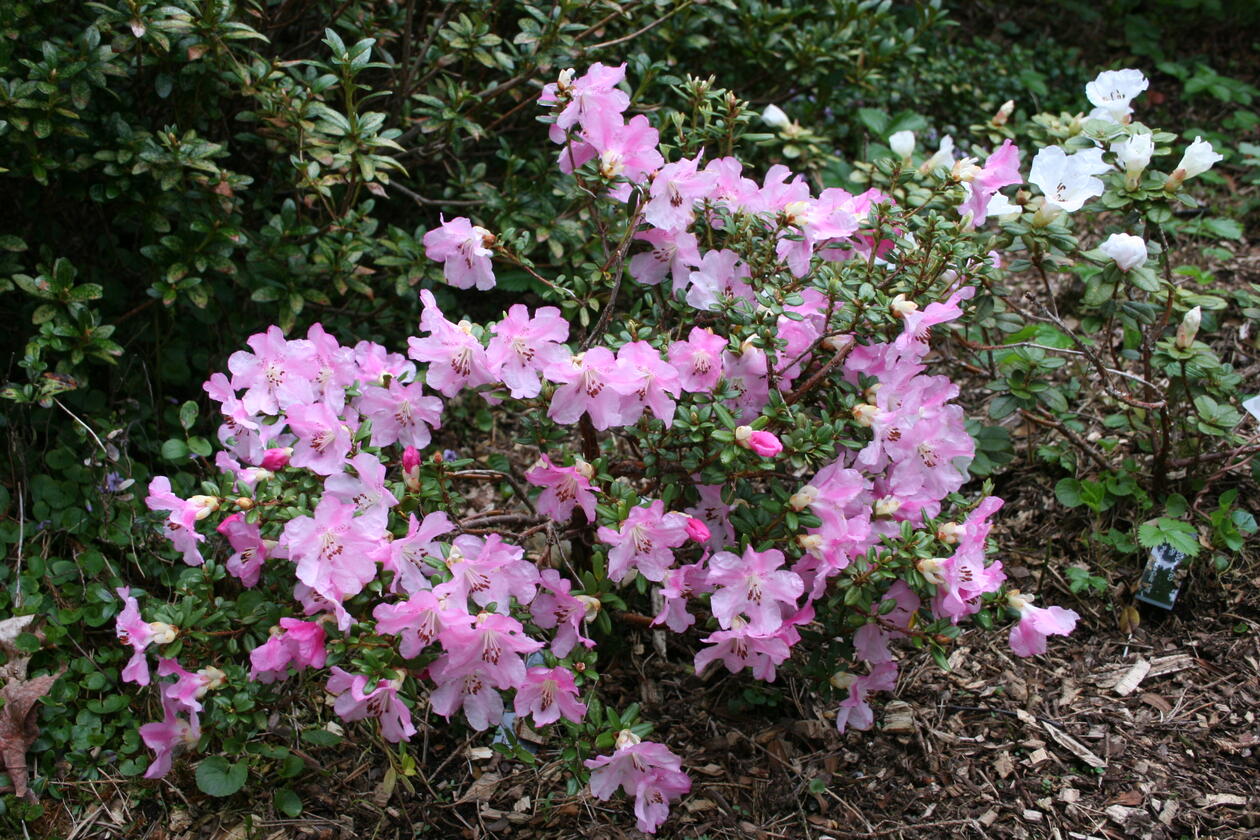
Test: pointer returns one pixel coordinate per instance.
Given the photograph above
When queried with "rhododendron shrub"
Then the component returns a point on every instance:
(752, 431)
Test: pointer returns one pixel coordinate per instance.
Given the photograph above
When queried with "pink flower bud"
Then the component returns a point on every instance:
(276, 459)
(411, 468)
(697, 530)
(764, 444)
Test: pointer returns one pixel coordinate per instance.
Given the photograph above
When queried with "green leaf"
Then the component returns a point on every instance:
(187, 415)
(288, 802)
(174, 450)
(216, 777)
(1068, 492)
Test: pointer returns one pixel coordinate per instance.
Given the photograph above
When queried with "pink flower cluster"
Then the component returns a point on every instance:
(476, 621)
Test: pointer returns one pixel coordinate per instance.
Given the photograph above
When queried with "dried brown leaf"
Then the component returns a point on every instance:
(18, 729)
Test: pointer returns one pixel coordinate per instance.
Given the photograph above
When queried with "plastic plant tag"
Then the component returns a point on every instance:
(1253, 406)
(1162, 578)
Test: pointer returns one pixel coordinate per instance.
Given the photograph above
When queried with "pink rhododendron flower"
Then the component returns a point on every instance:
(524, 346)
(334, 365)
(468, 688)
(648, 771)
(654, 381)
(365, 490)
(167, 737)
(595, 92)
(400, 413)
(680, 585)
(376, 364)
(493, 644)
(464, 251)
(406, 556)
(698, 360)
(334, 550)
(455, 357)
(963, 577)
(133, 630)
(746, 371)
(855, 711)
(674, 253)
(592, 383)
(181, 525)
(276, 375)
(624, 149)
(753, 586)
(188, 689)
(1028, 637)
(555, 607)
(323, 438)
(740, 648)
(250, 552)
(489, 571)
(382, 702)
(420, 620)
(564, 488)
(644, 542)
(294, 642)
(721, 276)
(675, 188)
(549, 694)
(1001, 169)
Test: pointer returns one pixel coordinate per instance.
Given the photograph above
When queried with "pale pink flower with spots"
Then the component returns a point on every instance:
(455, 357)
(382, 702)
(646, 770)
(592, 383)
(556, 607)
(293, 642)
(564, 488)
(656, 383)
(644, 542)
(698, 360)
(323, 438)
(673, 254)
(1028, 637)
(249, 550)
(167, 737)
(754, 586)
(524, 346)
(400, 413)
(676, 187)
(276, 375)
(549, 694)
(464, 249)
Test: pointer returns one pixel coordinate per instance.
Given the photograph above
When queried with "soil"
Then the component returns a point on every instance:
(1149, 734)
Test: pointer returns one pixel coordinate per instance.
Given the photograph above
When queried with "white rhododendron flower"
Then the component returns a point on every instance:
(1127, 250)
(1134, 153)
(775, 117)
(1068, 180)
(1112, 92)
(902, 144)
(1199, 158)
(944, 156)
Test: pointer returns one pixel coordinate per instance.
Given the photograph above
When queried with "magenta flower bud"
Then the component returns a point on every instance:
(276, 459)
(697, 530)
(764, 444)
(411, 468)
